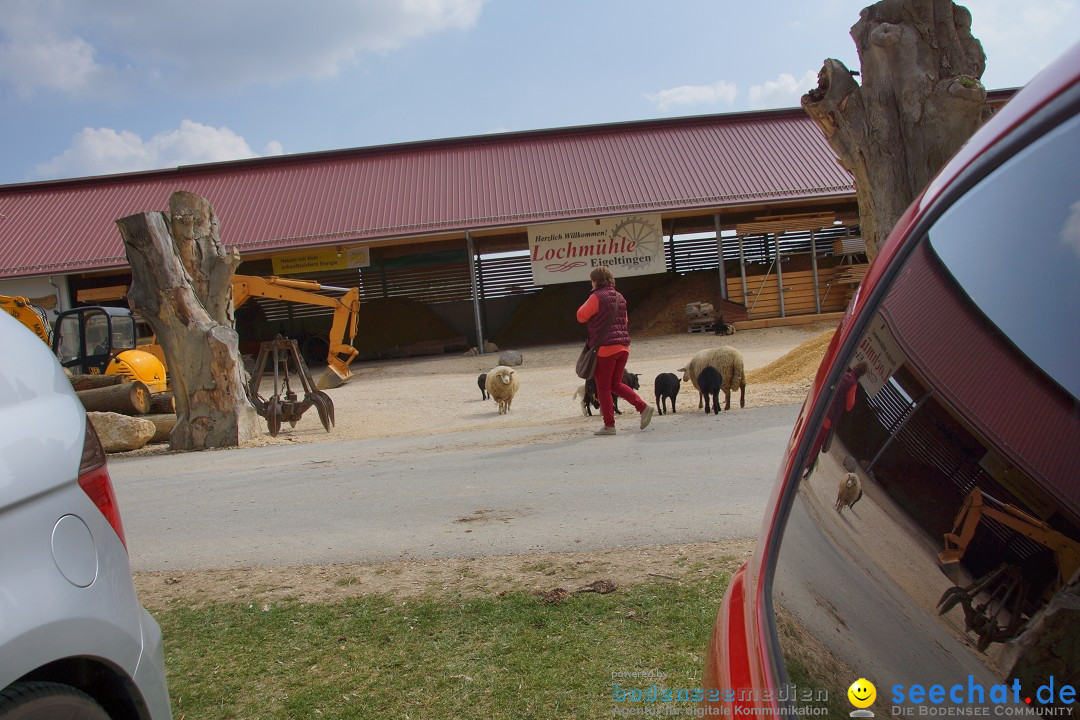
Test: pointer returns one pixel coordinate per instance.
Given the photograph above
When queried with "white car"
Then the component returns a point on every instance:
(74, 640)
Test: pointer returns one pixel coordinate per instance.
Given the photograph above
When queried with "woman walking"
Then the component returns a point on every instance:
(605, 313)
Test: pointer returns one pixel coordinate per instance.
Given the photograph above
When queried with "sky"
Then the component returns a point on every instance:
(93, 87)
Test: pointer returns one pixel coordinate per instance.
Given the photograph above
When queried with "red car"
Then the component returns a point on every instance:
(921, 551)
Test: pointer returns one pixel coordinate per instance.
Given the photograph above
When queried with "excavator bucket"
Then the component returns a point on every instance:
(333, 377)
(950, 565)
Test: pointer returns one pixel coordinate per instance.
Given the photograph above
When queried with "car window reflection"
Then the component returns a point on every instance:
(936, 524)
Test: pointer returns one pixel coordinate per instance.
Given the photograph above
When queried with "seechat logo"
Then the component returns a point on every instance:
(964, 699)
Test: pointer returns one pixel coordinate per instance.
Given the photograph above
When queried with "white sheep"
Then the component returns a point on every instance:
(849, 492)
(729, 362)
(502, 385)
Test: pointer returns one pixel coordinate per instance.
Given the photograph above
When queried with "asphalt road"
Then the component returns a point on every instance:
(688, 478)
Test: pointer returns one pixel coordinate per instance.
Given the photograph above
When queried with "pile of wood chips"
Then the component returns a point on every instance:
(797, 366)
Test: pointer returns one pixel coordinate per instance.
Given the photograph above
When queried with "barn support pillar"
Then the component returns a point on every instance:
(471, 251)
(779, 274)
(720, 253)
(813, 265)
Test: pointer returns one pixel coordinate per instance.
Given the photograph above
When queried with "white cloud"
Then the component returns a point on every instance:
(719, 94)
(59, 45)
(102, 151)
(783, 92)
(1021, 37)
(68, 66)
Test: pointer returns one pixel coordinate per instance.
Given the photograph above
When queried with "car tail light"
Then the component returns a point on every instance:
(95, 482)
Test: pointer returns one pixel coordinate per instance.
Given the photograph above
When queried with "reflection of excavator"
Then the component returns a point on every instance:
(342, 331)
(1005, 587)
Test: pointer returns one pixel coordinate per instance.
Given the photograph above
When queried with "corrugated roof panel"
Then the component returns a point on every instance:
(418, 189)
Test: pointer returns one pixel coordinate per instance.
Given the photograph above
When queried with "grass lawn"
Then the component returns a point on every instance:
(507, 656)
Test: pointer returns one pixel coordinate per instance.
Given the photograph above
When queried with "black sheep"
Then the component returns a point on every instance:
(723, 328)
(591, 401)
(666, 386)
(482, 382)
(710, 383)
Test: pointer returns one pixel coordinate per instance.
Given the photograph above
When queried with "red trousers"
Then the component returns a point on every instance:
(608, 376)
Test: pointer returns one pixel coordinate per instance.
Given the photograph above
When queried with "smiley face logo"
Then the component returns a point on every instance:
(862, 693)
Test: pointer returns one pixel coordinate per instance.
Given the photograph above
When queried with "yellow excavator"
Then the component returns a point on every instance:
(342, 330)
(108, 340)
(1004, 591)
(92, 340)
(28, 314)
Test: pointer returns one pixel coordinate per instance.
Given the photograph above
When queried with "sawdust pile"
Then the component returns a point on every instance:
(797, 366)
(663, 312)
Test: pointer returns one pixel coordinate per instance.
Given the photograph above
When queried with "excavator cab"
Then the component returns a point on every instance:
(103, 340)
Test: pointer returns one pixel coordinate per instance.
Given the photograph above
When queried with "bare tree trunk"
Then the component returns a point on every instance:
(209, 263)
(921, 98)
(205, 370)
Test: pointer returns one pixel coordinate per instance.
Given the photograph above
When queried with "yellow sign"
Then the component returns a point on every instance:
(321, 260)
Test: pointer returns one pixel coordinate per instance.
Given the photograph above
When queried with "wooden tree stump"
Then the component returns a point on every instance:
(129, 398)
(921, 98)
(167, 276)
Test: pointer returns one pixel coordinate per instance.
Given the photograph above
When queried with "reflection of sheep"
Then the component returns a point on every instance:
(729, 362)
(849, 492)
(482, 382)
(502, 385)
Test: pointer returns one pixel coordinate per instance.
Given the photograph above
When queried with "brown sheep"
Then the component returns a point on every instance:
(849, 492)
(502, 385)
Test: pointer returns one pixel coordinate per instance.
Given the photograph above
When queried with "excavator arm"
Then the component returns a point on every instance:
(29, 315)
(342, 330)
(1066, 551)
(994, 605)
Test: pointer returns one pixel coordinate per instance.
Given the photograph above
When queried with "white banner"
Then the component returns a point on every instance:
(568, 252)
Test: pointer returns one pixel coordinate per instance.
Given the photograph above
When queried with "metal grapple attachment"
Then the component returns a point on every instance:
(283, 357)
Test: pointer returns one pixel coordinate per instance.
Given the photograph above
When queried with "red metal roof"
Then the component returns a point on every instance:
(422, 189)
(993, 387)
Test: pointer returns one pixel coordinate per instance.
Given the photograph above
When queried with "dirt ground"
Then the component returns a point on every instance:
(432, 395)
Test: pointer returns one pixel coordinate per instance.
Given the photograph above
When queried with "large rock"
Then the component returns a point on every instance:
(119, 433)
(510, 358)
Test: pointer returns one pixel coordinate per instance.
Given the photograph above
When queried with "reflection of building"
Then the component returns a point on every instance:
(925, 437)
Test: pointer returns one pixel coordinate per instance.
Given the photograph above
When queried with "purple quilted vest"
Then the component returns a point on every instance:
(610, 301)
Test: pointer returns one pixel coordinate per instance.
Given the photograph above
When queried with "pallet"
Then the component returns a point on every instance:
(703, 324)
